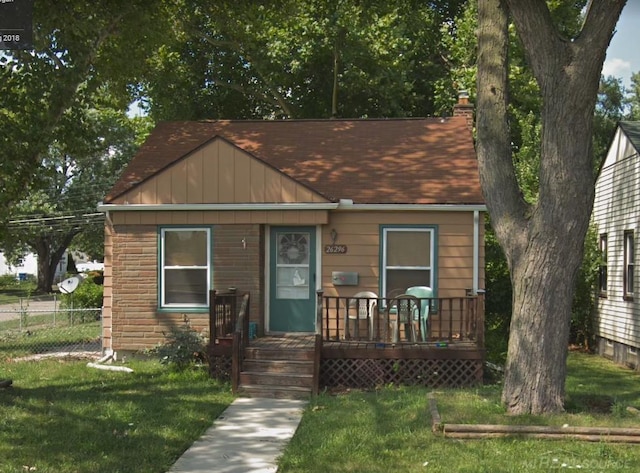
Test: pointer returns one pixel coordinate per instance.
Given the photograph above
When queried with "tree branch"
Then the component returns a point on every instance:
(497, 173)
(597, 31)
(277, 97)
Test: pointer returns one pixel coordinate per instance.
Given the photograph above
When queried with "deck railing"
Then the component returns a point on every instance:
(229, 328)
(223, 314)
(442, 319)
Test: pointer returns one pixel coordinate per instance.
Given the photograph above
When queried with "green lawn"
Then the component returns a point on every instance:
(11, 291)
(65, 417)
(49, 332)
(390, 429)
(62, 416)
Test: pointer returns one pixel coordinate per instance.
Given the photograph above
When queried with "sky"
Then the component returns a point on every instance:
(623, 55)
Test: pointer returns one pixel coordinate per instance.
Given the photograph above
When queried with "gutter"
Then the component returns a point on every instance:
(203, 207)
(342, 205)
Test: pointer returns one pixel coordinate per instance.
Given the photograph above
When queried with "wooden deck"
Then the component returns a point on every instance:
(453, 357)
(366, 365)
(367, 349)
(285, 342)
(407, 350)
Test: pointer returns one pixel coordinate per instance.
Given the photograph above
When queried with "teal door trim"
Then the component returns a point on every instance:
(292, 279)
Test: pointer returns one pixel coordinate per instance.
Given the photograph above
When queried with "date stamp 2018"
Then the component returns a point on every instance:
(16, 24)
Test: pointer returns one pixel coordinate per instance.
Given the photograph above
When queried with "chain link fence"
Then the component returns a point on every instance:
(32, 329)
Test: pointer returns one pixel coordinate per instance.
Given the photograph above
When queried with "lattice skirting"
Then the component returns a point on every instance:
(369, 373)
(220, 367)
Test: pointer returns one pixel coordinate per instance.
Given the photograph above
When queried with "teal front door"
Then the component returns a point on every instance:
(292, 298)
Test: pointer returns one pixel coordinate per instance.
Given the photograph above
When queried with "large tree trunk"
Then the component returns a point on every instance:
(49, 254)
(543, 242)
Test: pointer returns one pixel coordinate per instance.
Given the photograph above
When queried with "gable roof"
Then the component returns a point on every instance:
(385, 161)
(632, 130)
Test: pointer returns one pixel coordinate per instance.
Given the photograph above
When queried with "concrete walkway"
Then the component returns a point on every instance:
(247, 437)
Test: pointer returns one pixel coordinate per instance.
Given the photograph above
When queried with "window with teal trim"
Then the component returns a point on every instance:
(407, 259)
(185, 267)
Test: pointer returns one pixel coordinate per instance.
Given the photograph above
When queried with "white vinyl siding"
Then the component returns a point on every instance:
(616, 209)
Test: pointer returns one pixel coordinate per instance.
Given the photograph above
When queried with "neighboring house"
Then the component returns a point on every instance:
(29, 266)
(86, 266)
(286, 208)
(616, 213)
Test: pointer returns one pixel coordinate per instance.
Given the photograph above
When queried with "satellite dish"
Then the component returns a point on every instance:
(69, 285)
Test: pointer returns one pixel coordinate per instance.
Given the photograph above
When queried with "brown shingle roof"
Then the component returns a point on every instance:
(399, 161)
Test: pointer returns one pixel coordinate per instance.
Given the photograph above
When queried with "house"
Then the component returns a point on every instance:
(290, 210)
(616, 214)
(29, 266)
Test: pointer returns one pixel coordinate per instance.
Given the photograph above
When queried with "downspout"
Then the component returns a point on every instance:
(476, 251)
(99, 364)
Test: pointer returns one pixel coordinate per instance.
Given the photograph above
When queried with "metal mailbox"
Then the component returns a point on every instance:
(344, 278)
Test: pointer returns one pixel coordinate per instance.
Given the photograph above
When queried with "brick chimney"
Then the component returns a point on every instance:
(463, 108)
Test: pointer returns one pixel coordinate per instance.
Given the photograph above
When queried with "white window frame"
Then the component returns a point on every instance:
(628, 276)
(384, 267)
(603, 273)
(162, 268)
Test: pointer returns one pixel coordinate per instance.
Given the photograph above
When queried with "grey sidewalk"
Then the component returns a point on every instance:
(247, 437)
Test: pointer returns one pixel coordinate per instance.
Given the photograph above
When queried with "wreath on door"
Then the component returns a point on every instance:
(293, 248)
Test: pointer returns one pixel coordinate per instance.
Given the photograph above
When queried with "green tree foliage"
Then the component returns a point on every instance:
(498, 298)
(70, 179)
(633, 97)
(582, 331)
(301, 59)
(80, 46)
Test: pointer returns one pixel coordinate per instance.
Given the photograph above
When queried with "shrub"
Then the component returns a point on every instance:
(184, 348)
(583, 311)
(8, 280)
(96, 276)
(88, 295)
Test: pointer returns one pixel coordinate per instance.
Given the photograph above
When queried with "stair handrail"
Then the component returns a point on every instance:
(240, 341)
(317, 359)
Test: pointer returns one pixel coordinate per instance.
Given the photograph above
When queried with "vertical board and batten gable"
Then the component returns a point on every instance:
(215, 173)
(360, 232)
(220, 173)
(616, 210)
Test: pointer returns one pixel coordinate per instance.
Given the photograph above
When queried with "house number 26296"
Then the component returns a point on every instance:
(335, 249)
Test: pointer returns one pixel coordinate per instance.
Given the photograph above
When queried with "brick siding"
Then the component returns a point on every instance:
(136, 323)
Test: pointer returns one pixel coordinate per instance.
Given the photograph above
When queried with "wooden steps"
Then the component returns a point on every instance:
(277, 370)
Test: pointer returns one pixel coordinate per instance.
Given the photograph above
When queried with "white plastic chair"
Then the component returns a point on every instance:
(364, 304)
